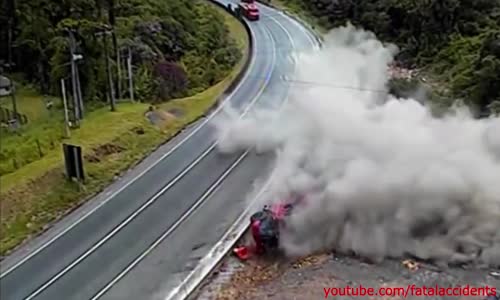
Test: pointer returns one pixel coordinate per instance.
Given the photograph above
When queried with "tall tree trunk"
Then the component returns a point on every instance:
(44, 76)
(11, 12)
(112, 21)
(99, 9)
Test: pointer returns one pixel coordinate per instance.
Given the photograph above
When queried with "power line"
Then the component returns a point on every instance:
(334, 86)
(318, 83)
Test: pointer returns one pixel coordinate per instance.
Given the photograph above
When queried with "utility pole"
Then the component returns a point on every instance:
(66, 119)
(9, 42)
(14, 102)
(79, 90)
(104, 34)
(119, 70)
(11, 9)
(130, 80)
(74, 83)
(112, 23)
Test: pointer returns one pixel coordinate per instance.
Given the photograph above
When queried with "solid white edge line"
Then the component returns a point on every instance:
(128, 183)
(147, 251)
(284, 30)
(120, 226)
(148, 203)
(236, 229)
(215, 255)
(312, 38)
(222, 247)
(307, 31)
(207, 263)
(200, 201)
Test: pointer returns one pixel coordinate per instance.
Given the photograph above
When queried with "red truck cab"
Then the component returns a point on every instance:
(249, 10)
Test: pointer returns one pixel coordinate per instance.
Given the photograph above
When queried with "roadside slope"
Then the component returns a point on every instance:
(37, 194)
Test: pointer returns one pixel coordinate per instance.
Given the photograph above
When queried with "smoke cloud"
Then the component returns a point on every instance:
(381, 175)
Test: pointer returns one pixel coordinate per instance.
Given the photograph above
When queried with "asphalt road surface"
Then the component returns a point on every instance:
(141, 236)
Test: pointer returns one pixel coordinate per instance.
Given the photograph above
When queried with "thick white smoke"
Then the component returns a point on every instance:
(383, 177)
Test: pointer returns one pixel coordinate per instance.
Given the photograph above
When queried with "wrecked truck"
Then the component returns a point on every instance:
(265, 226)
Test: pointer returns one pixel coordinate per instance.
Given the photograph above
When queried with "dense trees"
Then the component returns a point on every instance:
(188, 38)
(460, 37)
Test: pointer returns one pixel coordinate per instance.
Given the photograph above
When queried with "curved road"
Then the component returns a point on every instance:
(138, 239)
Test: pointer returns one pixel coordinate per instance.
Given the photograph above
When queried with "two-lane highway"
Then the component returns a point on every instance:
(175, 256)
(162, 205)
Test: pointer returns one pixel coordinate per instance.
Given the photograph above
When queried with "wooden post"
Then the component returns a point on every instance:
(76, 99)
(14, 102)
(119, 71)
(108, 73)
(130, 74)
(66, 119)
(40, 153)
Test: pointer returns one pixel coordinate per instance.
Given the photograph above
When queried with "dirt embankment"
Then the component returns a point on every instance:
(307, 278)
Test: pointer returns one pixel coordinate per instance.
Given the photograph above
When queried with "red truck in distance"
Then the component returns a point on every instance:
(249, 9)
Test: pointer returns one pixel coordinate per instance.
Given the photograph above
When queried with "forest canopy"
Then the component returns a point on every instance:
(461, 38)
(183, 42)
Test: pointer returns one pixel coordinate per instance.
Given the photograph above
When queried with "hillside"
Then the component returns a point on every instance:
(184, 55)
(457, 42)
(184, 43)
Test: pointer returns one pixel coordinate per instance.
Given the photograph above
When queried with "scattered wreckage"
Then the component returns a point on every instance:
(266, 224)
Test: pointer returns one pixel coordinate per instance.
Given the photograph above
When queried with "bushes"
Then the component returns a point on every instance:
(458, 37)
(154, 30)
(171, 80)
(472, 65)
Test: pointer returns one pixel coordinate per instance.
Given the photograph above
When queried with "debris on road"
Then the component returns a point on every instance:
(242, 252)
(247, 280)
(411, 265)
(495, 274)
(399, 72)
(310, 261)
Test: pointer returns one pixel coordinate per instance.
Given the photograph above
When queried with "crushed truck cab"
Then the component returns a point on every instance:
(265, 227)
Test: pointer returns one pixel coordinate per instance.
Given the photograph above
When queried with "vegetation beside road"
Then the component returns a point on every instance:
(454, 42)
(34, 191)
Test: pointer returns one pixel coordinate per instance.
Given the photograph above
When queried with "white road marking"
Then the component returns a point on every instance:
(307, 32)
(189, 212)
(218, 251)
(128, 183)
(151, 200)
(120, 226)
(222, 247)
(212, 189)
(204, 266)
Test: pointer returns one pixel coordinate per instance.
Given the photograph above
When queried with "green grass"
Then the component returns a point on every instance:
(30, 103)
(37, 194)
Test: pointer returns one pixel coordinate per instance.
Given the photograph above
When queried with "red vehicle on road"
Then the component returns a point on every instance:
(249, 9)
(265, 224)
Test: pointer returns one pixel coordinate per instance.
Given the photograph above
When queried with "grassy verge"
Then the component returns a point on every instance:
(30, 103)
(37, 194)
